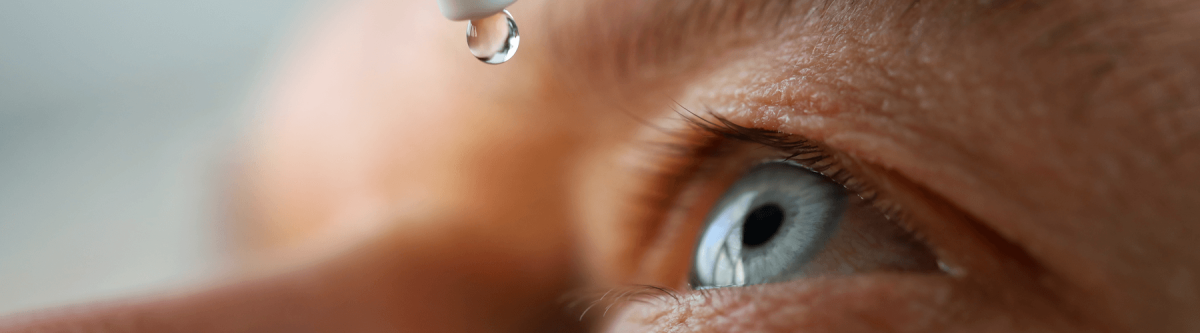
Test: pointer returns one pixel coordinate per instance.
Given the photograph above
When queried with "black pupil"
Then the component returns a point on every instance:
(761, 224)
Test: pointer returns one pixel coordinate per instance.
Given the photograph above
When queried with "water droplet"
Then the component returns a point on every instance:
(493, 39)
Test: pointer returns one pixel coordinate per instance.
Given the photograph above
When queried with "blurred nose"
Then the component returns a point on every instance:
(453, 173)
(468, 231)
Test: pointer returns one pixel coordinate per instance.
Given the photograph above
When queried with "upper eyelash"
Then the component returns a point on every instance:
(800, 150)
(730, 130)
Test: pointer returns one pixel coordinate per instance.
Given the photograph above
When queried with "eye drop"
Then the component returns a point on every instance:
(492, 35)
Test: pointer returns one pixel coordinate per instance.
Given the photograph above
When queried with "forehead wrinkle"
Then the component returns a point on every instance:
(650, 47)
(624, 41)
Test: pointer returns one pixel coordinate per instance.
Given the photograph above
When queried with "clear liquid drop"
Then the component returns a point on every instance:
(493, 39)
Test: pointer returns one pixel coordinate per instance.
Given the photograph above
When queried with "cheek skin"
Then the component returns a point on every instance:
(876, 303)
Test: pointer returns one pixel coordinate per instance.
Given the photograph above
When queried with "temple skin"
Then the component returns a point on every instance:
(1044, 149)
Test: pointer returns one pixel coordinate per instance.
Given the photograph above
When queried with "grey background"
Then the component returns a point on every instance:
(114, 119)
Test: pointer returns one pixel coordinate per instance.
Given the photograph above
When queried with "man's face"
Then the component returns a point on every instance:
(1042, 153)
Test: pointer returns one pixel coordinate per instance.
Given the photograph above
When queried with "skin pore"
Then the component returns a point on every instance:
(1043, 150)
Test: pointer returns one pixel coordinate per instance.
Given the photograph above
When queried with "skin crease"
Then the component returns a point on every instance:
(1044, 149)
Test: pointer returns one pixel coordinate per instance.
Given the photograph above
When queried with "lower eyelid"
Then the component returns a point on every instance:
(877, 302)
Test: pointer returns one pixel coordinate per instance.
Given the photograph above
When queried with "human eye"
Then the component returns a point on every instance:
(781, 221)
(770, 207)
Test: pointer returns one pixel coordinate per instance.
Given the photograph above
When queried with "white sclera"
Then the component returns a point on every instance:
(493, 39)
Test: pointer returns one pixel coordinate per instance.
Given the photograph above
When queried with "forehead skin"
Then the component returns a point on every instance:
(1066, 128)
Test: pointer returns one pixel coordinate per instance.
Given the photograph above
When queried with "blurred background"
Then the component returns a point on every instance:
(117, 120)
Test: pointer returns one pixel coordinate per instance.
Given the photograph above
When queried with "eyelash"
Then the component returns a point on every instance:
(799, 150)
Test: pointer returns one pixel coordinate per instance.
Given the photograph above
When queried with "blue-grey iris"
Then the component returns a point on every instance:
(767, 226)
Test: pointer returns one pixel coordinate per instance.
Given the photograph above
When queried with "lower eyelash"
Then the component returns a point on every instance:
(594, 306)
(599, 304)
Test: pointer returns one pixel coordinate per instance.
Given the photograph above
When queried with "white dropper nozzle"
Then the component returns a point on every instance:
(460, 10)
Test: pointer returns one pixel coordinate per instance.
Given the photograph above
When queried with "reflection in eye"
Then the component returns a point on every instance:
(782, 221)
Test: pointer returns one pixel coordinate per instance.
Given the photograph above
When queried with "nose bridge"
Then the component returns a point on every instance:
(512, 181)
(511, 197)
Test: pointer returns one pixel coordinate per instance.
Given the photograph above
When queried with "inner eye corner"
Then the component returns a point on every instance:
(761, 224)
